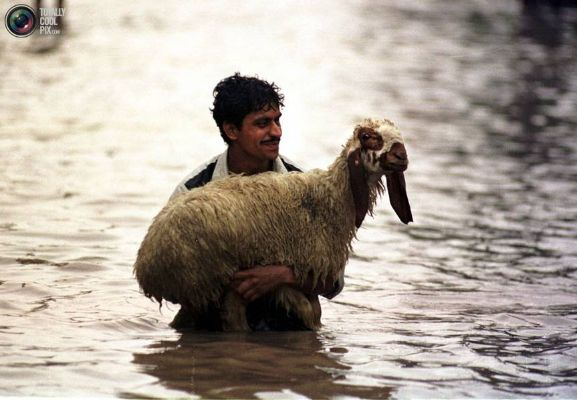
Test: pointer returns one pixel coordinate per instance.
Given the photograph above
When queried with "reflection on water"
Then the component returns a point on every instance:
(477, 298)
(246, 366)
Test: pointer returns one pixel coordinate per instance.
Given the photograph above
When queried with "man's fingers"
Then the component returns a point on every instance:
(251, 295)
(252, 283)
(249, 290)
(246, 285)
(241, 275)
(239, 279)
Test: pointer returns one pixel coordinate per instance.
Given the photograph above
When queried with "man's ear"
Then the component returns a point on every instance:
(230, 130)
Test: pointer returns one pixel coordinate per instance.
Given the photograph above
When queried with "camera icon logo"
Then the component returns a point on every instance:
(21, 20)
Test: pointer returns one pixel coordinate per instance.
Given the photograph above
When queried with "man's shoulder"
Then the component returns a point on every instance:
(197, 178)
(206, 172)
(200, 176)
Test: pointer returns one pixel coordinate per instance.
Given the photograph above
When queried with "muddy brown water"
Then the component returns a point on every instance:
(477, 298)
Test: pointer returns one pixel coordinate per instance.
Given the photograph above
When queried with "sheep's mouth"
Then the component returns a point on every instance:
(390, 163)
(398, 166)
(395, 160)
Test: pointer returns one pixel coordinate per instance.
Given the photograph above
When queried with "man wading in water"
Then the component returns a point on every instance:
(247, 111)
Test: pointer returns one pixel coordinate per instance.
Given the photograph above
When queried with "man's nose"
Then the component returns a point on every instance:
(276, 130)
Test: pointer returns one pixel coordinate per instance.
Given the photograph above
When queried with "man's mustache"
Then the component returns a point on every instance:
(273, 140)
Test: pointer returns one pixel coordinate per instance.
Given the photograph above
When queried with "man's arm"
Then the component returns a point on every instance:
(253, 283)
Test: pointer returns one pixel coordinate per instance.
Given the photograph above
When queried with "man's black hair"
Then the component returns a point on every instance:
(237, 96)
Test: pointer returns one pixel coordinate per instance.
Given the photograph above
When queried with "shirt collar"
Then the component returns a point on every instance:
(221, 168)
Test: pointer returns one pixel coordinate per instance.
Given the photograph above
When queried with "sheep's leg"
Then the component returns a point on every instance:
(307, 309)
(233, 313)
(183, 319)
(316, 312)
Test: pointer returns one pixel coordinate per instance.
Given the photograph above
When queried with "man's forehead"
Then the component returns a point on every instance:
(270, 111)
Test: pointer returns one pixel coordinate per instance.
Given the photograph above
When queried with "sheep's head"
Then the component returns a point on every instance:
(381, 146)
(377, 149)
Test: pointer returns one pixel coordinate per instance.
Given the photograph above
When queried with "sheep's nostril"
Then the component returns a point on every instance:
(400, 155)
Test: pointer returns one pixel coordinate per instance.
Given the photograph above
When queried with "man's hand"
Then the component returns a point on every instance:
(255, 282)
(252, 283)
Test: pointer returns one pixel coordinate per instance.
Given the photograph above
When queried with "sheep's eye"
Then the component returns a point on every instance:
(365, 136)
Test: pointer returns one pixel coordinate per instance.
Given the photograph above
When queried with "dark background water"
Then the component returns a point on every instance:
(477, 298)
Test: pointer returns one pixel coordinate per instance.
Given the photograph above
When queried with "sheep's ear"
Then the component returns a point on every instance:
(359, 186)
(398, 196)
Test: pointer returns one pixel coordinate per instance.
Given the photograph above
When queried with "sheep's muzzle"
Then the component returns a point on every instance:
(394, 160)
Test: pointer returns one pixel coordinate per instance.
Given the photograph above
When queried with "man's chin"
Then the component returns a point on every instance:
(271, 152)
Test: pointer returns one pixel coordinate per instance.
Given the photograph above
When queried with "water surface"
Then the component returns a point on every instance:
(477, 298)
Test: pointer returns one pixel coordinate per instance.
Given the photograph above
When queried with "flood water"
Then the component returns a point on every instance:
(476, 298)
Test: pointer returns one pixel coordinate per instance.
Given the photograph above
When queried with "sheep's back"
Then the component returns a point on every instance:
(290, 219)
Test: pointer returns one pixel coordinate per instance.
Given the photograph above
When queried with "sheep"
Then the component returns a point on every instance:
(305, 220)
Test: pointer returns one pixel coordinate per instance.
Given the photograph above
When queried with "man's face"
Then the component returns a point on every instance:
(259, 136)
